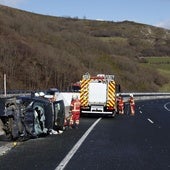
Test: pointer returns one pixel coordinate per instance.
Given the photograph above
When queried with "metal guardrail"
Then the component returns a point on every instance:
(146, 96)
(137, 95)
(147, 93)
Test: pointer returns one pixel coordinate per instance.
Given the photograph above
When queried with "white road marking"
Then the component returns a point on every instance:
(165, 106)
(150, 121)
(140, 111)
(65, 161)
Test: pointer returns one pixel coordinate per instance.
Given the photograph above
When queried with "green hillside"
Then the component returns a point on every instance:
(38, 52)
(162, 65)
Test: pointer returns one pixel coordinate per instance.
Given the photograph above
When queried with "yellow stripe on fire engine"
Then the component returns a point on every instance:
(111, 94)
(84, 92)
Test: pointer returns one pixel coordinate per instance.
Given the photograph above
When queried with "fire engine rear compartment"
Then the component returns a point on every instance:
(97, 93)
(97, 98)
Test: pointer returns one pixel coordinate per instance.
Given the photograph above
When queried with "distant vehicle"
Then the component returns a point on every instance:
(52, 91)
(18, 116)
(75, 87)
(98, 94)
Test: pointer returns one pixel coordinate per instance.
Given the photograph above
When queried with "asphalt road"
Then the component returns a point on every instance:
(140, 142)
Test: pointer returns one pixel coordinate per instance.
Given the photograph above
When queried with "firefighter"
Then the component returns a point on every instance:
(121, 105)
(132, 105)
(75, 112)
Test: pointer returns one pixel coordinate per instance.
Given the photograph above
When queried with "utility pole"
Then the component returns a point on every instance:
(5, 85)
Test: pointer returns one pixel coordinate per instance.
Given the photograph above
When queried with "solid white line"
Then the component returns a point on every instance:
(150, 120)
(65, 161)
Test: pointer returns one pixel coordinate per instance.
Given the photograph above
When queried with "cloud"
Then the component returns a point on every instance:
(164, 24)
(12, 3)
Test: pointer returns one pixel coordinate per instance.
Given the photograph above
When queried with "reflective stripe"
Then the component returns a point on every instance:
(111, 94)
(75, 110)
(84, 92)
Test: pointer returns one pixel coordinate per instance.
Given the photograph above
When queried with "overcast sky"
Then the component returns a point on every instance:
(151, 12)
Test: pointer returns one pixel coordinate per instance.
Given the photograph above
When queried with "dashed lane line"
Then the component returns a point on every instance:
(65, 161)
(150, 121)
